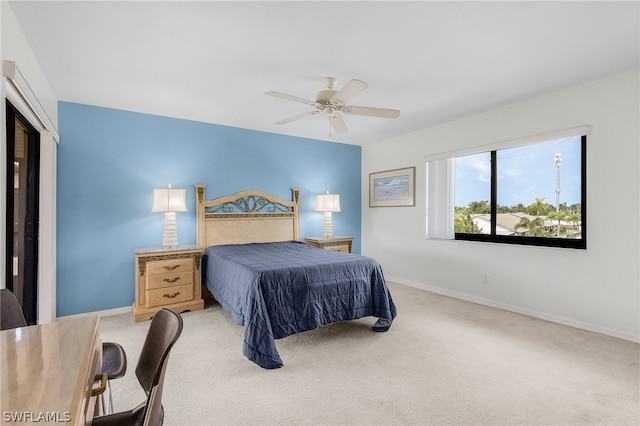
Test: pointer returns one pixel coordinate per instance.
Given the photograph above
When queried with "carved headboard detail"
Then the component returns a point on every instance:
(249, 216)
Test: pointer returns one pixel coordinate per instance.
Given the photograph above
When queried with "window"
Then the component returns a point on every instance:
(517, 193)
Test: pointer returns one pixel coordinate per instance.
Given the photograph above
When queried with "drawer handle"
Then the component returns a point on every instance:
(171, 267)
(171, 280)
(103, 384)
(171, 296)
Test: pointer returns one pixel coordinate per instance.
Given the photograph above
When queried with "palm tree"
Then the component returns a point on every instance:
(535, 227)
(559, 217)
(539, 208)
(574, 219)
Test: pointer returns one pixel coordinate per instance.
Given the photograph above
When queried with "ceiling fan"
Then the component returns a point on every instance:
(332, 102)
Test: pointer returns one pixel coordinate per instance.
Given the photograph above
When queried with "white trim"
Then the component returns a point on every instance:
(19, 103)
(526, 140)
(104, 313)
(635, 338)
(19, 91)
(47, 230)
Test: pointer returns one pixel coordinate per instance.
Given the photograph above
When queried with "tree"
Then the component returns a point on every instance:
(463, 222)
(558, 217)
(539, 208)
(576, 208)
(535, 227)
(479, 207)
(568, 219)
(574, 219)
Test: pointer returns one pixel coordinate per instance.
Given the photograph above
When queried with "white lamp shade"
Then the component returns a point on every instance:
(169, 200)
(327, 203)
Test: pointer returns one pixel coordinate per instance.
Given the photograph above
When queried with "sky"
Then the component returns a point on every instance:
(524, 174)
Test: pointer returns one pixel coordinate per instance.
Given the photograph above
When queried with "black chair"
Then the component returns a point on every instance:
(164, 331)
(114, 364)
(114, 360)
(11, 315)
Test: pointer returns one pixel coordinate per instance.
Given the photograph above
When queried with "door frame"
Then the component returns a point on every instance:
(19, 93)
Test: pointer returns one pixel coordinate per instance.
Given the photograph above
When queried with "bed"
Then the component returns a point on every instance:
(274, 285)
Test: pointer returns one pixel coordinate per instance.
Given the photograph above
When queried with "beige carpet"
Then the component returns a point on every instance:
(444, 362)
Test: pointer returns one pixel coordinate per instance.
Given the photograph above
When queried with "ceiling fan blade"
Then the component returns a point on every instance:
(297, 117)
(290, 97)
(373, 112)
(338, 123)
(349, 90)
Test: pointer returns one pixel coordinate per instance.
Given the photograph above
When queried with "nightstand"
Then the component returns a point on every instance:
(335, 243)
(167, 278)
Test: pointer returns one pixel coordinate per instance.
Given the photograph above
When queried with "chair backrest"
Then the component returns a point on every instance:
(165, 328)
(11, 315)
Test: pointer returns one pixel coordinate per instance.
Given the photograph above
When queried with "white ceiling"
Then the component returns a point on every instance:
(435, 61)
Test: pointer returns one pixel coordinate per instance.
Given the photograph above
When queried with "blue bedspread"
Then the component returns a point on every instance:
(278, 289)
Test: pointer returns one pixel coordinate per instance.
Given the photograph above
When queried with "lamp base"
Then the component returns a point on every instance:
(327, 225)
(170, 230)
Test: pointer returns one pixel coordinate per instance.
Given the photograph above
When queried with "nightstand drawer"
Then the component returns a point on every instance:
(167, 296)
(342, 249)
(169, 280)
(169, 266)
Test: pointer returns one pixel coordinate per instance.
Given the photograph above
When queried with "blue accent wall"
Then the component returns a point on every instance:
(110, 160)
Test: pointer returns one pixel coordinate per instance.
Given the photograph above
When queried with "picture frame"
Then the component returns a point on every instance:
(392, 188)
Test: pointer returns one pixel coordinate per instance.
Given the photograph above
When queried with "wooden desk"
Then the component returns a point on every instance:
(47, 372)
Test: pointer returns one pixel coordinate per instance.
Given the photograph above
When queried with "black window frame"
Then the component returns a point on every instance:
(580, 243)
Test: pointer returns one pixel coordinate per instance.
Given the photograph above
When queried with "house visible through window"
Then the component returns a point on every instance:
(531, 194)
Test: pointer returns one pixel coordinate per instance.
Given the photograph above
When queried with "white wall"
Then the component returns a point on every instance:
(14, 47)
(595, 289)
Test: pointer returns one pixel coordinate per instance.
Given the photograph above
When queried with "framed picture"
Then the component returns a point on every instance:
(392, 188)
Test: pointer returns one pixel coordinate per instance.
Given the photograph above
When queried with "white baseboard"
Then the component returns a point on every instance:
(520, 310)
(105, 313)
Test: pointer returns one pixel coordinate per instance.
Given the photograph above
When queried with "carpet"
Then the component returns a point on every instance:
(443, 362)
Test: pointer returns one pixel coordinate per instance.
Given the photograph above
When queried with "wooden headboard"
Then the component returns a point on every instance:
(249, 216)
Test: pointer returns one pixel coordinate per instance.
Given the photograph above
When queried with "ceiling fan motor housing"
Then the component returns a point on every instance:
(324, 97)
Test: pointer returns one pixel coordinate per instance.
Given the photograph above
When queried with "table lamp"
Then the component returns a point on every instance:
(327, 203)
(169, 201)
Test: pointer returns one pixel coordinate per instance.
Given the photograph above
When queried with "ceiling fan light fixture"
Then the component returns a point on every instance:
(330, 112)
